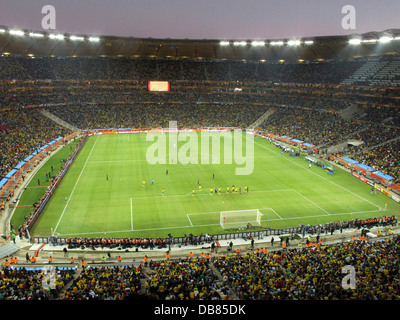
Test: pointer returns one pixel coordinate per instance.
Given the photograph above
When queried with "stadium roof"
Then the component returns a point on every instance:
(39, 43)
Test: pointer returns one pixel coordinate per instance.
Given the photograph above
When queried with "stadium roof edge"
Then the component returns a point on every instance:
(17, 41)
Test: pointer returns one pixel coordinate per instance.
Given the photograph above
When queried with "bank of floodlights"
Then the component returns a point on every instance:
(257, 43)
(76, 38)
(16, 32)
(53, 36)
(385, 39)
(276, 43)
(56, 36)
(355, 41)
(36, 35)
(293, 42)
(239, 43)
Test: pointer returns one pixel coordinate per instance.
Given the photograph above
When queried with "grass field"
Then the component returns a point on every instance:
(286, 191)
(33, 190)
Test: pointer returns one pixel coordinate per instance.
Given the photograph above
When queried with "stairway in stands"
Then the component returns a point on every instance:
(60, 121)
(261, 119)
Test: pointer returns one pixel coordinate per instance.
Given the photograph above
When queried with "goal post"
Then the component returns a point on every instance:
(240, 218)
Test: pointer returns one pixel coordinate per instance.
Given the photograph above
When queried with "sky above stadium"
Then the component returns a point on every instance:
(203, 19)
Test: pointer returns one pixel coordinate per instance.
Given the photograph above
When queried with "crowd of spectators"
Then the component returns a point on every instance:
(316, 273)
(377, 115)
(111, 243)
(318, 127)
(374, 135)
(185, 279)
(22, 132)
(311, 272)
(358, 224)
(105, 283)
(145, 115)
(170, 69)
(386, 158)
(22, 284)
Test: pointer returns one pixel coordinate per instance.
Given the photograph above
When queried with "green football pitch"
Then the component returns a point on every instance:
(103, 195)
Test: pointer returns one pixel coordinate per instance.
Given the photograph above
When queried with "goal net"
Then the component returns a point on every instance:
(240, 218)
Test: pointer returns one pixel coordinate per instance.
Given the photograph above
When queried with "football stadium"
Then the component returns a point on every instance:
(178, 169)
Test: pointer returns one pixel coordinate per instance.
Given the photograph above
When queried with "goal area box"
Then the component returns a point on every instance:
(240, 218)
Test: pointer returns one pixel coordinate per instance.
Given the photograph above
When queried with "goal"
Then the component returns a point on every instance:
(240, 218)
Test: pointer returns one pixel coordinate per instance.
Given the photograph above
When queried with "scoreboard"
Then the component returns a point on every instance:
(159, 86)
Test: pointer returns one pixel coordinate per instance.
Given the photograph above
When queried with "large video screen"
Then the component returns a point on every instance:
(159, 86)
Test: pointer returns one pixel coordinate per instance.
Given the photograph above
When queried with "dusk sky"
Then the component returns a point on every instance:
(203, 19)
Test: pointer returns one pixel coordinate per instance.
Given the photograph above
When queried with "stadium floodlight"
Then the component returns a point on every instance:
(293, 42)
(224, 43)
(36, 35)
(74, 38)
(369, 41)
(308, 42)
(2, 30)
(258, 43)
(239, 43)
(16, 32)
(56, 36)
(385, 39)
(355, 41)
(397, 38)
(276, 43)
(94, 39)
